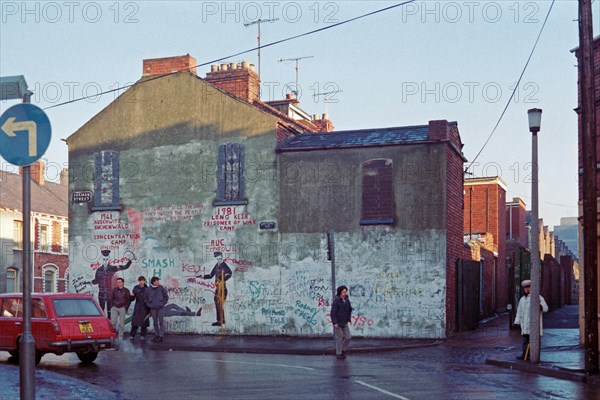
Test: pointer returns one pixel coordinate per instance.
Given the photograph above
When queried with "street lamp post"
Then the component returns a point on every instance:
(535, 117)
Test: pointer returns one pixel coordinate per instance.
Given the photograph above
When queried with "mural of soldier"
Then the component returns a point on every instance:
(104, 277)
(221, 272)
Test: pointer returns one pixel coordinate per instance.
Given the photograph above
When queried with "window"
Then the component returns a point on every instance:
(76, 308)
(18, 234)
(377, 192)
(49, 281)
(106, 181)
(12, 280)
(65, 240)
(44, 237)
(12, 308)
(230, 175)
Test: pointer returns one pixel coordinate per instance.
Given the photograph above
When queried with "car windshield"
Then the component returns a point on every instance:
(76, 308)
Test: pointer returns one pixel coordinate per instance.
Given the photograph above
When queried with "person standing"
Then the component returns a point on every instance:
(140, 310)
(221, 272)
(341, 315)
(120, 299)
(103, 278)
(523, 317)
(156, 297)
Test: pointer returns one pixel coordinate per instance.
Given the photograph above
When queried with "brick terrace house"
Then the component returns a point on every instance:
(49, 231)
(485, 227)
(184, 167)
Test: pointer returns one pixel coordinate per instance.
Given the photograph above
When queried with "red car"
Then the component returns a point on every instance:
(60, 323)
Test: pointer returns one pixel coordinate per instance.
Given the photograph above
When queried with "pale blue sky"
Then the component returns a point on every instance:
(428, 60)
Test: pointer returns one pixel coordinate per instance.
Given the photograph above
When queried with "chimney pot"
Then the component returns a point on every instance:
(325, 116)
(232, 66)
(251, 67)
(316, 117)
(224, 67)
(245, 65)
(214, 68)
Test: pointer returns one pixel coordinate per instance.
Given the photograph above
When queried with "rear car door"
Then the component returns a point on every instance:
(81, 318)
(11, 321)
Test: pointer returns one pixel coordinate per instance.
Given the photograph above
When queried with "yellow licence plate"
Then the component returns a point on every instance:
(86, 327)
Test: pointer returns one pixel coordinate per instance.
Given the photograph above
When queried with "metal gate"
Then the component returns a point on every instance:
(467, 294)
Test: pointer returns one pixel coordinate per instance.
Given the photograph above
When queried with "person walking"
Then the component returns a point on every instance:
(341, 315)
(140, 310)
(523, 317)
(156, 297)
(120, 299)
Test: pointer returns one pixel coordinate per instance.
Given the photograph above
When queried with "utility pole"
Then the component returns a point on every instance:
(590, 206)
(296, 60)
(258, 22)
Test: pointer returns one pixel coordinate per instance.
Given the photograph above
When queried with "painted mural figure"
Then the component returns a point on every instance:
(341, 315)
(155, 298)
(173, 310)
(120, 299)
(523, 317)
(103, 278)
(140, 310)
(221, 272)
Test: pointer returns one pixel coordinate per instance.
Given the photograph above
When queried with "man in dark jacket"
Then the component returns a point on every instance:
(140, 310)
(221, 272)
(341, 315)
(120, 299)
(155, 298)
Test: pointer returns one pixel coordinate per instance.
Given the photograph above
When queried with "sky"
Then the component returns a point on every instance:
(427, 60)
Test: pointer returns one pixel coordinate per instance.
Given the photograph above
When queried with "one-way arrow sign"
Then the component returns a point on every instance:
(25, 134)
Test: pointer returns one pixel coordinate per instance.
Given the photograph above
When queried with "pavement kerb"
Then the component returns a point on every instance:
(288, 351)
(546, 370)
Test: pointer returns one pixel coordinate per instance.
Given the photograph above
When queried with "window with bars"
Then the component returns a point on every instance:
(106, 181)
(377, 192)
(230, 175)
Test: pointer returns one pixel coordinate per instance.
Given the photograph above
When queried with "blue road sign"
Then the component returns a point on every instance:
(24, 134)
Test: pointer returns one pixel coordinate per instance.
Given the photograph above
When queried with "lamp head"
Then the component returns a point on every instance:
(535, 119)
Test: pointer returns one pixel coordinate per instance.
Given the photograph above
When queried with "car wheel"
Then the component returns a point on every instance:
(14, 354)
(87, 358)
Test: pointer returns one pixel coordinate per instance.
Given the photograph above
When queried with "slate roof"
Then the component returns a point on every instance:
(356, 138)
(49, 198)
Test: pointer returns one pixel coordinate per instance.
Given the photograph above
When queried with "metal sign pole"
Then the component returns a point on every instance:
(27, 343)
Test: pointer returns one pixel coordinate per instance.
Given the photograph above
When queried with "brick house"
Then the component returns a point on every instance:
(49, 231)
(183, 167)
(485, 222)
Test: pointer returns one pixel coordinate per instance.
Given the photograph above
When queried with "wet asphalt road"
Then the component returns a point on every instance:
(447, 371)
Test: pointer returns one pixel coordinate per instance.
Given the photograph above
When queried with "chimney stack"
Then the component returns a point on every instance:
(36, 170)
(323, 123)
(239, 80)
(64, 177)
(167, 65)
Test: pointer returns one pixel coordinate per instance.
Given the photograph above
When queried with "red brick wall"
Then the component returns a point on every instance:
(41, 259)
(167, 65)
(519, 230)
(454, 234)
(488, 205)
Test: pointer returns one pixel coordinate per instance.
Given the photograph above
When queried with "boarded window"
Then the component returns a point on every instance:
(377, 192)
(230, 175)
(106, 181)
